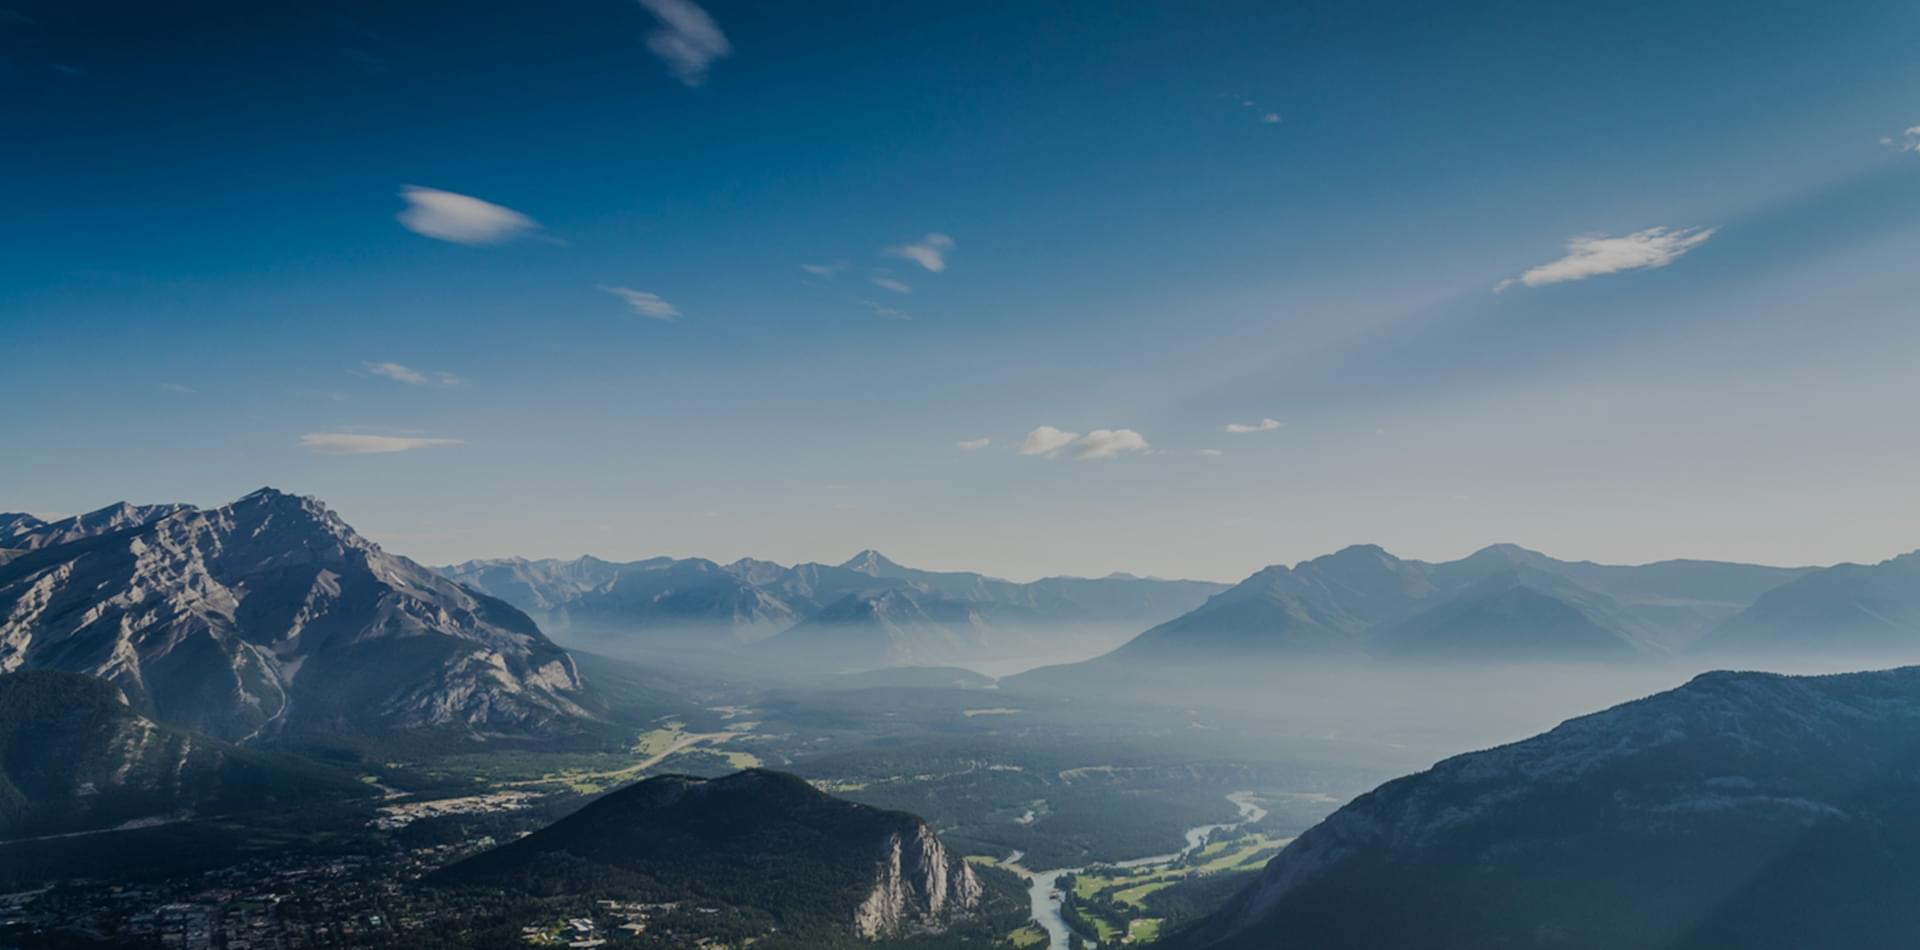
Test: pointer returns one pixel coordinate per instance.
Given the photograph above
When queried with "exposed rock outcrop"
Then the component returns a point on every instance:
(920, 885)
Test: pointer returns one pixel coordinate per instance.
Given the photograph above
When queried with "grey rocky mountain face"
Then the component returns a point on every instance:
(271, 613)
(919, 885)
(1739, 810)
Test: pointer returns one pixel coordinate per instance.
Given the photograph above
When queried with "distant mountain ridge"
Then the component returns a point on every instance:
(866, 612)
(1845, 611)
(271, 613)
(1502, 602)
(1746, 810)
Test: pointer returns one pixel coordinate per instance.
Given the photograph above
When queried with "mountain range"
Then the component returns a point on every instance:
(761, 841)
(865, 613)
(271, 615)
(1746, 810)
(1506, 603)
(1849, 612)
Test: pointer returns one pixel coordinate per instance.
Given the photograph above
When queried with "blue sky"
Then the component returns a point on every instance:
(1622, 281)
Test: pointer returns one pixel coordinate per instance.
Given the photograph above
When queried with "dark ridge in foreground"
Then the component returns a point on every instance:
(74, 757)
(761, 840)
(1741, 810)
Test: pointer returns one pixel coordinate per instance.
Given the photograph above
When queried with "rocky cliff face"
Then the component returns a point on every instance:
(271, 612)
(920, 885)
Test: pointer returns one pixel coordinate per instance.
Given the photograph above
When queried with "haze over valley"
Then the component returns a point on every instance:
(260, 680)
(716, 475)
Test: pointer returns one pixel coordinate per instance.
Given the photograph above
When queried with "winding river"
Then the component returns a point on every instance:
(1043, 887)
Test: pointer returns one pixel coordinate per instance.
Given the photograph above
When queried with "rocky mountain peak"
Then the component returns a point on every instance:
(872, 562)
(237, 620)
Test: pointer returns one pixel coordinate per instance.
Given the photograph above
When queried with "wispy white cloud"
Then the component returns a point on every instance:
(361, 443)
(688, 40)
(406, 374)
(1242, 428)
(178, 388)
(974, 444)
(1594, 255)
(1210, 453)
(1047, 441)
(821, 270)
(1109, 443)
(1266, 116)
(460, 218)
(1908, 141)
(397, 372)
(929, 252)
(644, 303)
(893, 284)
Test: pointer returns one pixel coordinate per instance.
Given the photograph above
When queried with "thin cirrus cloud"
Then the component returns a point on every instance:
(1908, 141)
(1049, 442)
(688, 40)
(644, 303)
(1242, 428)
(1593, 255)
(821, 270)
(461, 219)
(401, 373)
(929, 252)
(1208, 453)
(885, 312)
(975, 444)
(893, 284)
(362, 443)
